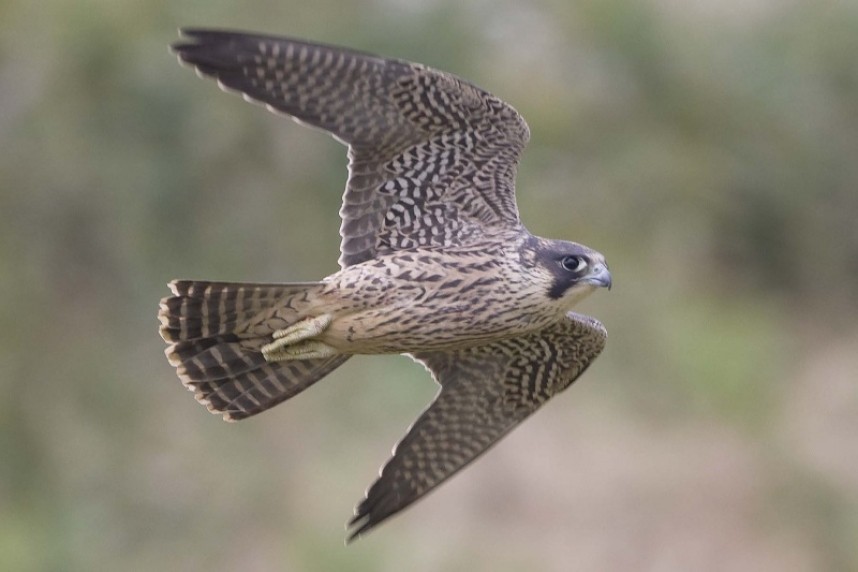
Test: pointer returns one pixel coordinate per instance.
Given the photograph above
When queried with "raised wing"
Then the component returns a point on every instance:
(432, 158)
(485, 392)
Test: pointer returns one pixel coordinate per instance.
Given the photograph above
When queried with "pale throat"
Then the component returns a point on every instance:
(575, 294)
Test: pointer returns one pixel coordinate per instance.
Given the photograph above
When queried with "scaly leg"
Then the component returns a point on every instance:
(306, 328)
(288, 344)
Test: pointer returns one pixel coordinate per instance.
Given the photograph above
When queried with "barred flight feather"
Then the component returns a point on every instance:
(217, 330)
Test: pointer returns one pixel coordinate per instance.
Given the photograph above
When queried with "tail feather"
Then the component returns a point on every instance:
(256, 390)
(215, 332)
(215, 358)
(204, 309)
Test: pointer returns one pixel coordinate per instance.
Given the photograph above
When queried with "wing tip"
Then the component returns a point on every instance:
(355, 528)
(207, 50)
(378, 504)
(196, 35)
(361, 524)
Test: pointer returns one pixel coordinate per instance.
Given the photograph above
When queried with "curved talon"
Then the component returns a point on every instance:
(306, 328)
(294, 343)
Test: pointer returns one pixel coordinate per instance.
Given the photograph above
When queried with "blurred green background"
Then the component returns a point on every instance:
(708, 148)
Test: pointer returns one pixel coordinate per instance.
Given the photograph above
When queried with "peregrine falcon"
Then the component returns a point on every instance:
(435, 263)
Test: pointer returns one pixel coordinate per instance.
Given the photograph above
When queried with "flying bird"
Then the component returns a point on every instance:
(435, 263)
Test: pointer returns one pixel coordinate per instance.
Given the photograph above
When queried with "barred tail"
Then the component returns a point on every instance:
(216, 331)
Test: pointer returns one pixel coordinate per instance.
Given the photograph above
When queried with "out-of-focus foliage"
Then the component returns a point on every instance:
(709, 149)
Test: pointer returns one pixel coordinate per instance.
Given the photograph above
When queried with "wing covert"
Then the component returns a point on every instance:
(432, 158)
(485, 392)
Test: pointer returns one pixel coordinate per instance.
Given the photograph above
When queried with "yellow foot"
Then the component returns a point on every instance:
(294, 342)
(306, 328)
(309, 349)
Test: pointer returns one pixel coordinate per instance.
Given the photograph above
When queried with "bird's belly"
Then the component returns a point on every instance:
(426, 326)
(414, 302)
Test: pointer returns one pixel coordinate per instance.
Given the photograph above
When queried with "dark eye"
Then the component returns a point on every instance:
(573, 263)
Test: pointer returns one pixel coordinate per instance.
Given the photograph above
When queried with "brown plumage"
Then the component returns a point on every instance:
(434, 261)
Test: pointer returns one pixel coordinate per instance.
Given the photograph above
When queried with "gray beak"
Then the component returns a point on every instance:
(600, 276)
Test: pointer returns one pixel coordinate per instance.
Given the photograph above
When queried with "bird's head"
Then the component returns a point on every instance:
(572, 270)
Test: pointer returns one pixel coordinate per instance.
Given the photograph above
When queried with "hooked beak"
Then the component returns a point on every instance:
(600, 276)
